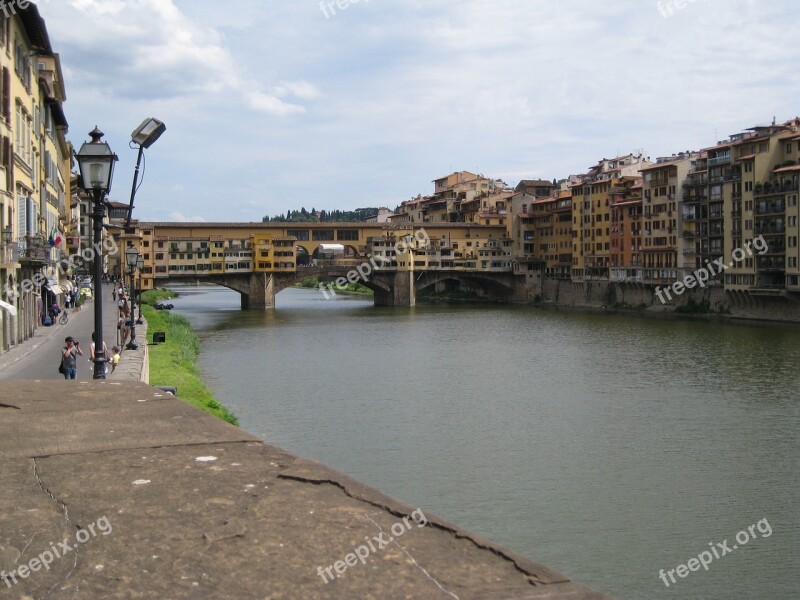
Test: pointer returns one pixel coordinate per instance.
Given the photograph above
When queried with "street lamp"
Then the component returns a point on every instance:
(132, 258)
(96, 163)
(7, 233)
(143, 136)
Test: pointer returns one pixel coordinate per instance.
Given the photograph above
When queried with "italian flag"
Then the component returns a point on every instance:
(55, 238)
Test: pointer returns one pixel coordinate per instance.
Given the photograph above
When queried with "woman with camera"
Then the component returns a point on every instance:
(69, 358)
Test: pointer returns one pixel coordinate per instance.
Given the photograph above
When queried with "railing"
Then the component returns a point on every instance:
(719, 160)
(771, 264)
(772, 208)
(776, 249)
(34, 249)
(8, 255)
(771, 230)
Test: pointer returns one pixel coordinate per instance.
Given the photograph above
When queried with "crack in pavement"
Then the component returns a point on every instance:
(411, 558)
(533, 578)
(65, 511)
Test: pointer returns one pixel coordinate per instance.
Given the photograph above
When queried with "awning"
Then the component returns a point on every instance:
(10, 308)
(56, 289)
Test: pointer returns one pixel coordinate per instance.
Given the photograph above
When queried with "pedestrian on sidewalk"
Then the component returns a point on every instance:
(69, 358)
(114, 294)
(124, 327)
(106, 356)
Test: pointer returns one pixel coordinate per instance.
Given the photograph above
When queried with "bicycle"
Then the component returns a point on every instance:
(64, 318)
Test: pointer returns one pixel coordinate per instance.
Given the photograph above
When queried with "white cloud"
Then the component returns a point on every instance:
(181, 218)
(272, 106)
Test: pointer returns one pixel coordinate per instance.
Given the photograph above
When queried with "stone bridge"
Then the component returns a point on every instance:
(392, 287)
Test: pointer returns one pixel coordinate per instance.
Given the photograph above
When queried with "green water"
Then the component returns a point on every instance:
(606, 447)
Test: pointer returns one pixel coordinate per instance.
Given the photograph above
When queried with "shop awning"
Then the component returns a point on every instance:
(56, 289)
(9, 307)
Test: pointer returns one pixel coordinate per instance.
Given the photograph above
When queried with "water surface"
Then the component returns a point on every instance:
(606, 447)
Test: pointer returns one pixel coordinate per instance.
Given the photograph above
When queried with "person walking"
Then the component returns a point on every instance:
(69, 358)
(124, 326)
(114, 294)
(92, 355)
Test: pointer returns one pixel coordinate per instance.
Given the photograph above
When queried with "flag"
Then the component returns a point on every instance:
(55, 237)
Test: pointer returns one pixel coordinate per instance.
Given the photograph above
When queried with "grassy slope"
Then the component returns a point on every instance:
(174, 363)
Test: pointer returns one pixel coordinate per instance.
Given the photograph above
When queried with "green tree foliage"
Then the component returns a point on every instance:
(322, 216)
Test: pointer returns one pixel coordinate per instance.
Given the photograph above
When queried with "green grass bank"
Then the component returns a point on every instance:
(174, 363)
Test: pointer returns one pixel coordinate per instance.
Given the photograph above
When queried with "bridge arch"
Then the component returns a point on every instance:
(486, 286)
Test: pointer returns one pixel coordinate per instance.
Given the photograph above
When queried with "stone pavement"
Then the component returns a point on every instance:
(129, 493)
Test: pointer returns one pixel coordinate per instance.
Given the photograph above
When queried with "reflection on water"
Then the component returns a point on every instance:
(607, 447)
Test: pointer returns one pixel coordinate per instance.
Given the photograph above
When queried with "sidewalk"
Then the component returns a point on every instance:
(38, 358)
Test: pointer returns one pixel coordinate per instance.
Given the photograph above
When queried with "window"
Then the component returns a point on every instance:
(301, 235)
(349, 235)
(323, 235)
(22, 65)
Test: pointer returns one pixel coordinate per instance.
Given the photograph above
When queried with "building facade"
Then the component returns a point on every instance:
(36, 180)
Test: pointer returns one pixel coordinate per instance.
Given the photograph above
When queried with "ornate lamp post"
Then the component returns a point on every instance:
(132, 258)
(96, 163)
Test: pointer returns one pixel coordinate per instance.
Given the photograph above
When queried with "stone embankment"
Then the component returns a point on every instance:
(126, 492)
(783, 307)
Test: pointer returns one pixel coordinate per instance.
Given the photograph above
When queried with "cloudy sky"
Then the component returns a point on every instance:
(276, 104)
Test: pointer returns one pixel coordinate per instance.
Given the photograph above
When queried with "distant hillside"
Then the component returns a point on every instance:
(322, 216)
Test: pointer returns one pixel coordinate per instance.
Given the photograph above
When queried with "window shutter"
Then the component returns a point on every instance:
(22, 216)
(8, 162)
(6, 94)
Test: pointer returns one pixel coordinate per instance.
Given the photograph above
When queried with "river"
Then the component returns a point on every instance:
(607, 447)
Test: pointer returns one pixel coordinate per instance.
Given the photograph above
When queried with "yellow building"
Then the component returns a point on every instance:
(591, 214)
(764, 204)
(667, 256)
(35, 159)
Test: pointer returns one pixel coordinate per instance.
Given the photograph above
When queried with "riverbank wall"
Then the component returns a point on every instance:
(709, 301)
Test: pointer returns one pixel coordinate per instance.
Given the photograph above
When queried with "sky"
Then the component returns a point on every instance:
(273, 105)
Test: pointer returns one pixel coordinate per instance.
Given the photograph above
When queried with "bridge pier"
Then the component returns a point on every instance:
(261, 294)
(401, 291)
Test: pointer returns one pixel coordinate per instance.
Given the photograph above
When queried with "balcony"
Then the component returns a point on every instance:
(776, 249)
(720, 160)
(34, 251)
(694, 180)
(9, 255)
(771, 264)
(770, 208)
(770, 229)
